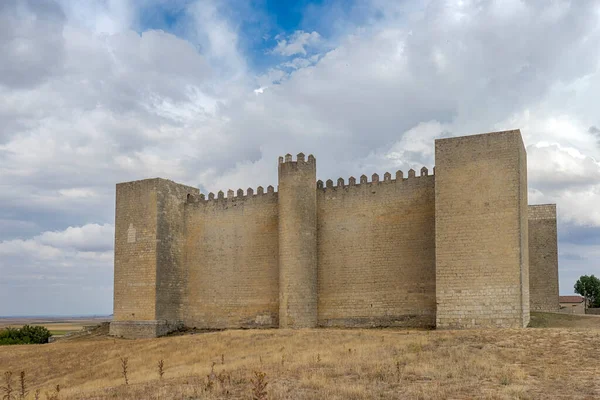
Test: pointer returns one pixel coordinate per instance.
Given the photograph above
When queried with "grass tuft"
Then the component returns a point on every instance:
(161, 368)
(259, 386)
(124, 368)
(7, 389)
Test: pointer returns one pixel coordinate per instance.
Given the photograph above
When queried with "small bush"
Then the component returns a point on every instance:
(25, 335)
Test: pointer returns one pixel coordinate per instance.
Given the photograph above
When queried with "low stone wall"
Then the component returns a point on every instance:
(142, 329)
(593, 311)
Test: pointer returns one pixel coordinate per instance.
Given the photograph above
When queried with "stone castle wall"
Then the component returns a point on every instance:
(232, 261)
(376, 252)
(543, 258)
(422, 250)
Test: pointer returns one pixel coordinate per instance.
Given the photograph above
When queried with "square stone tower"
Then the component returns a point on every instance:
(149, 275)
(543, 258)
(482, 267)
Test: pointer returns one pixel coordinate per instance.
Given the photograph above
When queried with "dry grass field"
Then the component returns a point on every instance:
(534, 363)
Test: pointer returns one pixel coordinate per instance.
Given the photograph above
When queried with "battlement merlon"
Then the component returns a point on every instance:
(231, 195)
(364, 180)
(300, 158)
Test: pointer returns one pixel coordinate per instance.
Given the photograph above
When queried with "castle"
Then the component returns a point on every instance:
(455, 248)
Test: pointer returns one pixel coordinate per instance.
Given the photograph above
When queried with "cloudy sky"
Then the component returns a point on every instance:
(210, 93)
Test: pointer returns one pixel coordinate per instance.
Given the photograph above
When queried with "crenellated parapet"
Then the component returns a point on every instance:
(300, 158)
(364, 180)
(239, 195)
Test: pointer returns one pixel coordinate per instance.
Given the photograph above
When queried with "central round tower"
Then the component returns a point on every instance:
(297, 200)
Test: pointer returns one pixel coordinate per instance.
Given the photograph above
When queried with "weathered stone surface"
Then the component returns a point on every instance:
(543, 258)
(376, 254)
(298, 244)
(149, 233)
(481, 231)
(231, 267)
(141, 329)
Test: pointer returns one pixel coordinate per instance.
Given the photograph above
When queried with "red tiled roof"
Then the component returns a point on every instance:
(570, 299)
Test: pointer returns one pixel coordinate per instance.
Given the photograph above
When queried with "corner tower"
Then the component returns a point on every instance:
(297, 242)
(481, 224)
(148, 270)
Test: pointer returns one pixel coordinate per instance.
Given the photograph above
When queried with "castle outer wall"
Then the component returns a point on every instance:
(347, 254)
(543, 258)
(376, 252)
(231, 260)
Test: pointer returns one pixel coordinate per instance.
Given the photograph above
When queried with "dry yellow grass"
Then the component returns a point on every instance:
(323, 363)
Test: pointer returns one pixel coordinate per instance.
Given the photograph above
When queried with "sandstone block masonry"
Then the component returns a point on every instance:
(481, 233)
(457, 248)
(543, 258)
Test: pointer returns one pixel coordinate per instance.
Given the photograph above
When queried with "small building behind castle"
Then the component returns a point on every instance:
(456, 247)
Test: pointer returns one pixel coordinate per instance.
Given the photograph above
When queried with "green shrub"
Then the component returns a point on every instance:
(25, 335)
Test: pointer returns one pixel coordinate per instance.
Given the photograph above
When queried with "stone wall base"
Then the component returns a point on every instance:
(400, 321)
(545, 308)
(481, 323)
(142, 329)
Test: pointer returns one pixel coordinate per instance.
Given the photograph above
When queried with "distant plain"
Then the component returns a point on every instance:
(56, 325)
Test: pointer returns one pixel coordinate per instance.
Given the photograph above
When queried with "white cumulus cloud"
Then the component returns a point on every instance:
(90, 98)
(297, 43)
